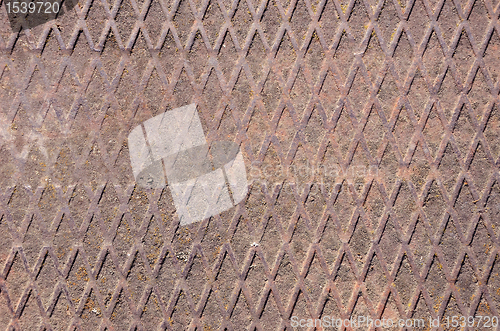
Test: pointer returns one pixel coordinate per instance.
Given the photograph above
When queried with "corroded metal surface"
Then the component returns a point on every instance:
(370, 131)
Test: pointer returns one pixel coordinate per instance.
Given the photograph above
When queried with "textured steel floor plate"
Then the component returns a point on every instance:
(371, 135)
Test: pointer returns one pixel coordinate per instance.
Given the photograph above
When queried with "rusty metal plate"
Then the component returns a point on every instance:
(370, 131)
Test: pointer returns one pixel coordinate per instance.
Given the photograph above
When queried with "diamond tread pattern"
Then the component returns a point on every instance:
(371, 134)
